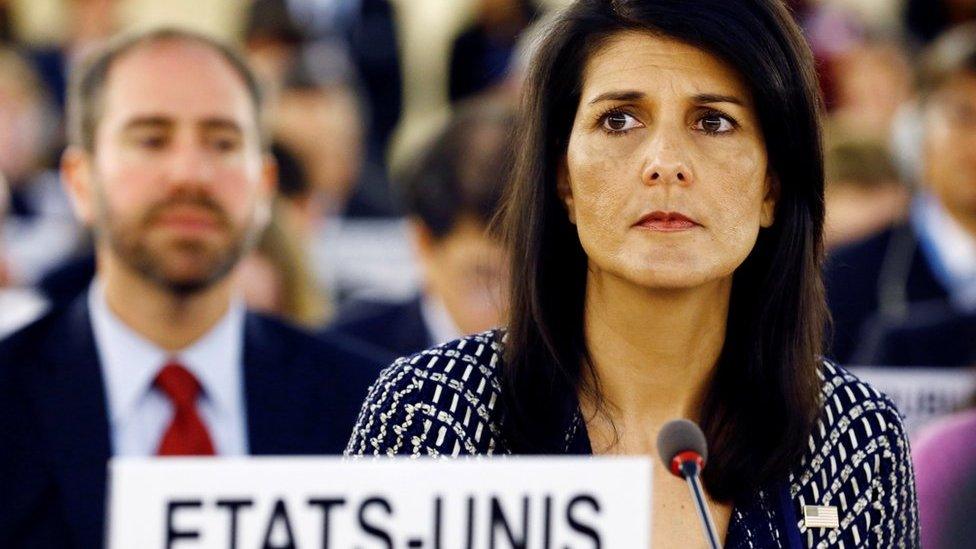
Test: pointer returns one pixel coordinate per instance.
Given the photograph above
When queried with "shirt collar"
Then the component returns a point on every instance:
(438, 321)
(950, 249)
(130, 362)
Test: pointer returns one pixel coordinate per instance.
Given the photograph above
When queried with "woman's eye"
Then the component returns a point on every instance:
(616, 122)
(715, 123)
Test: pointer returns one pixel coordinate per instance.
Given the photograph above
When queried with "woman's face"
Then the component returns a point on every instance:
(665, 174)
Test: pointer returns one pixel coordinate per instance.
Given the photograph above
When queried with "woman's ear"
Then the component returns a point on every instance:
(565, 190)
(770, 199)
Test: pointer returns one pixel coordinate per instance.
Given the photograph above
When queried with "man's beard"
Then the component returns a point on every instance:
(130, 243)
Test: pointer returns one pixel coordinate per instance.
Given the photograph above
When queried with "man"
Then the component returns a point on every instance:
(874, 284)
(167, 163)
(450, 194)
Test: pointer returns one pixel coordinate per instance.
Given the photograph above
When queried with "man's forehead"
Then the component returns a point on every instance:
(179, 79)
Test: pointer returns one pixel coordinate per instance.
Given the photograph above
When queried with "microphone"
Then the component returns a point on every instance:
(682, 447)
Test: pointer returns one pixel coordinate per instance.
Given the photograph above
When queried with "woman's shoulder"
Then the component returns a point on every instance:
(440, 401)
(857, 463)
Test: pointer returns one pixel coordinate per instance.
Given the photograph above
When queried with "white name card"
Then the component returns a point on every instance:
(499, 503)
(921, 394)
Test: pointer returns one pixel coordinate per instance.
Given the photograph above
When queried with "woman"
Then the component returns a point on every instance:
(666, 216)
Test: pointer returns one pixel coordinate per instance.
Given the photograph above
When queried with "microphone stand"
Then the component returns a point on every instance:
(690, 471)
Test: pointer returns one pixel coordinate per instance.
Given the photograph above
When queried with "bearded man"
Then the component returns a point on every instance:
(168, 164)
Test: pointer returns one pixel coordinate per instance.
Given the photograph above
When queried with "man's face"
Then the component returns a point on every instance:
(177, 184)
(950, 146)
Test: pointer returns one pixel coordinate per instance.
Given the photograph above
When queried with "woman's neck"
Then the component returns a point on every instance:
(652, 350)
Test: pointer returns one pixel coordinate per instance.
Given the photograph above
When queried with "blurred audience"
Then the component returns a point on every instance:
(871, 80)
(860, 171)
(927, 19)
(873, 283)
(933, 334)
(481, 56)
(169, 164)
(18, 305)
(40, 229)
(276, 278)
(317, 114)
(945, 477)
(451, 192)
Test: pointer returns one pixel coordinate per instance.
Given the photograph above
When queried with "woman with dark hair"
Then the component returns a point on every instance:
(665, 218)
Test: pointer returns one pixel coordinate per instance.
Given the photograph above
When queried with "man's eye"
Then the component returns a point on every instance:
(151, 142)
(617, 122)
(225, 144)
(715, 123)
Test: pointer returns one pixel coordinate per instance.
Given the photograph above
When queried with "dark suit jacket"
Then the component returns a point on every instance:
(396, 327)
(934, 334)
(303, 395)
(852, 277)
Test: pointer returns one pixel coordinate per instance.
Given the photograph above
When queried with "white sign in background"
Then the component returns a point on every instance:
(921, 394)
(499, 503)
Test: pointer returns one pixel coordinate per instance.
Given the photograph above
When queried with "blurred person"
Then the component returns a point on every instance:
(945, 465)
(871, 80)
(275, 277)
(370, 29)
(273, 41)
(322, 127)
(40, 230)
(296, 197)
(450, 193)
(18, 305)
(925, 20)
(665, 224)
(864, 194)
(338, 46)
(933, 333)
(168, 164)
(482, 54)
(873, 283)
(294, 207)
(317, 114)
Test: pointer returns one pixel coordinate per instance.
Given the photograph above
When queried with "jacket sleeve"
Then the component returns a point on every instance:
(440, 402)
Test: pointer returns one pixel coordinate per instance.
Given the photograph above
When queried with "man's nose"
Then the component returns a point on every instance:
(190, 165)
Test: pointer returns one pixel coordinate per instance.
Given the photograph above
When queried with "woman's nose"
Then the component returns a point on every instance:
(665, 163)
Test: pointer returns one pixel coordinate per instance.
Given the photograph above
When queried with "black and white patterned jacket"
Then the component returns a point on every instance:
(444, 402)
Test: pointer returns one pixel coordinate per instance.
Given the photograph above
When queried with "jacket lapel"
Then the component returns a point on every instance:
(269, 403)
(71, 405)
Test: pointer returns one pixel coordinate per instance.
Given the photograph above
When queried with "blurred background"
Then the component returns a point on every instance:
(359, 91)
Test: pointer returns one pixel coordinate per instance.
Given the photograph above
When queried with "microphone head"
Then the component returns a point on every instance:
(678, 436)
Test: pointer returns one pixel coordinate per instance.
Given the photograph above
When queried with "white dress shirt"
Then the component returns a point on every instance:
(439, 323)
(949, 248)
(138, 412)
(18, 308)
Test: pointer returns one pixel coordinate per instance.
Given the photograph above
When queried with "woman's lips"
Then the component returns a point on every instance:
(666, 222)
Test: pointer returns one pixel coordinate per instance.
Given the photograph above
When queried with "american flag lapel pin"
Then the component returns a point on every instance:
(820, 516)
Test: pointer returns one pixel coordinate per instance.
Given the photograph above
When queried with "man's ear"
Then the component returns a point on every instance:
(565, 190)
(770, 199)
(76, 176)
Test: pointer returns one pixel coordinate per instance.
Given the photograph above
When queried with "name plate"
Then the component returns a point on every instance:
(922, 394)
(497, 503)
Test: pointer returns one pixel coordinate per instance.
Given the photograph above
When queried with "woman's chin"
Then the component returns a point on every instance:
(671, 278)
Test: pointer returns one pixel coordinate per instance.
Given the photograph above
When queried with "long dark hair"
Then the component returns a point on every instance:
(759, 408)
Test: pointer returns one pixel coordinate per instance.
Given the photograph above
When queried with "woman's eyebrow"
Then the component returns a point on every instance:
(624, 95)
(718, 98)
(631, 95)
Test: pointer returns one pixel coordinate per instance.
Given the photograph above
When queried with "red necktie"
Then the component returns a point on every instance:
(186, 434)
